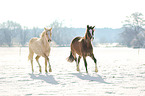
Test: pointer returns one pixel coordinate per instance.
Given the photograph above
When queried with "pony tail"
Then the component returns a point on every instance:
(31, 53)
(70, 58)
(28, 57)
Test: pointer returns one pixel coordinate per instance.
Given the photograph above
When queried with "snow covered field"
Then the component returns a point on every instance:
(121, 72)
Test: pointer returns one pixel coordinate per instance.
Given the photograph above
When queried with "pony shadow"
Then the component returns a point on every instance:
(47, 78)
(90, 78)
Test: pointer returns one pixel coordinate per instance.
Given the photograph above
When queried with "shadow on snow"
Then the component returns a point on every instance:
(50, 79)
(47, 78)
(90, 78)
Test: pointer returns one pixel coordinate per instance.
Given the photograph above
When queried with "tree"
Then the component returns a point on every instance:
(132, 28)
(24, 36)
(1, 37)
(35, 31)
(57, 33)
(10, 30)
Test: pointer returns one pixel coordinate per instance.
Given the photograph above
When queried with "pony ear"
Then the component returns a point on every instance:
(50, 29)
(93, 27)
(45, 28)
(87, 26)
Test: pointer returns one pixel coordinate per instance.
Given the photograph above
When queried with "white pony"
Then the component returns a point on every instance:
(41, 47)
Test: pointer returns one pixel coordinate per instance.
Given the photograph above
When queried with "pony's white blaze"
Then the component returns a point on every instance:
(49, 37)
(91, 32)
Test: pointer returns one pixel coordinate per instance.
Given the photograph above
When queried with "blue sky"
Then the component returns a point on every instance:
(73, 13)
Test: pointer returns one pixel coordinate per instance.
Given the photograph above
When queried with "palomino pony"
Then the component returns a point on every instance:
(41, 47)
(83, 47)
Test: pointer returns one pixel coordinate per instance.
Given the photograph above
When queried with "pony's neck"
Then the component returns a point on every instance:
(86, 38)
(45, 41)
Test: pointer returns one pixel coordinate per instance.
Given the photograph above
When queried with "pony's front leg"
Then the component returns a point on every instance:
(50, 70)
(85, 64)
(95, 61)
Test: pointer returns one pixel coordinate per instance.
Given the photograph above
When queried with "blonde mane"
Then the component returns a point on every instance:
(42, 34)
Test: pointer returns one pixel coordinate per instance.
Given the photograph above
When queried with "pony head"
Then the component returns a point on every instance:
(47, 34)
(90, 32)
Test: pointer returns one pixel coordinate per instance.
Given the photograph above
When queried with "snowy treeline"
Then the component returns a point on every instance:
(13, 34)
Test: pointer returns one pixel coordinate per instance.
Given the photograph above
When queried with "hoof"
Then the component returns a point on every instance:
(78, 69)
(40, 71)
(32, 70)
(86, 71)
(96, 70)
(46, 71)
(50, 70)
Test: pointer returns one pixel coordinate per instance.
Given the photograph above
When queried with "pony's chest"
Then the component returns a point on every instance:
(87, 48)
(47, 48)
(47, 51)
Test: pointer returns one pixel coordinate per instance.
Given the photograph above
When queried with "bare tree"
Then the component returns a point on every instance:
(24, 36)
(132, 27)
(57, 32)
(10, 30)
(35, 31)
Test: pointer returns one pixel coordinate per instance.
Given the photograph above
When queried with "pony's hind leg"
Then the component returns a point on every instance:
(37, 57)
(30, 57)
(75, 58)
(78, 69)
(76, 62)
(32, 65)
(95, 61)
(46, 65)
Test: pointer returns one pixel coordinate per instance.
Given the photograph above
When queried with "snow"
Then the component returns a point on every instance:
(121, 72)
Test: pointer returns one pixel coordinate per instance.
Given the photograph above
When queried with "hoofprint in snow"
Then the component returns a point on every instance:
(121, 72)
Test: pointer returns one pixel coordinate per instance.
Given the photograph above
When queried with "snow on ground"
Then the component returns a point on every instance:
(121, 72)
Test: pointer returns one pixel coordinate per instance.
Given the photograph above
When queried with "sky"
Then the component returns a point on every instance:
(73, 13)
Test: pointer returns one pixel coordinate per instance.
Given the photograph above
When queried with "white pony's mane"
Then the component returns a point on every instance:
(42, 34)
(45, 30)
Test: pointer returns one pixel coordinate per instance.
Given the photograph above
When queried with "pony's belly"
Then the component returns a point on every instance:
(83, 51)
(79, 52)
(41, 53)
(76, 48)
(38, 52)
